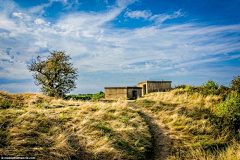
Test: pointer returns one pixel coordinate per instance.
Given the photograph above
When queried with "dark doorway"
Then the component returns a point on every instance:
(144, 89)
(134, 94)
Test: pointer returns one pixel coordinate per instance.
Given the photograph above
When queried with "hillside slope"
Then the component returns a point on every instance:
(48, 128)
(163, 125)
(190, 123)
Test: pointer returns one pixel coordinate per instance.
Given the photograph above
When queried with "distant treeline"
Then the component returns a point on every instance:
(93, 97)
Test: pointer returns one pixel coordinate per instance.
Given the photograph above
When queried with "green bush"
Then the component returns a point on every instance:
(202, 90)
(98, 95)
(183, 86)
(224, 91)
(210, 84)
(235, 84)
(208, 89)
(229, 112)
(5, 103)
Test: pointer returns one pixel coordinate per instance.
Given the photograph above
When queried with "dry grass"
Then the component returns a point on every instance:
(181, 96)
(187, 118)
(49, 128)
(232, 152)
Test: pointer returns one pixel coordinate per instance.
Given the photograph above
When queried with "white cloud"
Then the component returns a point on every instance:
(18, 14)
(63, 1)
(39, 21)
(20, 88)
(68, 4)
(125, 3)
(159, 18)
(39, 9)
(96, 46)
(6, 23)
(145, 14)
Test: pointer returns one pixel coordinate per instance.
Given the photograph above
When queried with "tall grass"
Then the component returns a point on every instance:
(49, 128)
(195, 128)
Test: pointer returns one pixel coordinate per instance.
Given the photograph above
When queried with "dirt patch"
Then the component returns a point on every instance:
(161, 142)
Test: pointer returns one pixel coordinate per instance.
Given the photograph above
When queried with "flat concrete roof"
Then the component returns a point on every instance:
(122, 87)
(155, 82)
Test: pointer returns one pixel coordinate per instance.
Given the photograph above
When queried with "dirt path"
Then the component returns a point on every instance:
(161, 142)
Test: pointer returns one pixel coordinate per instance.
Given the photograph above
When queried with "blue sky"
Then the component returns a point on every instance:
(121, 42)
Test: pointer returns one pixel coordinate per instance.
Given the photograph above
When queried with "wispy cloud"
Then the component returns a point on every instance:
(159, 18)
(145, 14)
(39, 9)
(97, 46)
(67, 5)
(125, 3)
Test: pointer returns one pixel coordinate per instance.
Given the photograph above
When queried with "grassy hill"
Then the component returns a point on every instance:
(180, 124)
(48, 128)
(199, 126)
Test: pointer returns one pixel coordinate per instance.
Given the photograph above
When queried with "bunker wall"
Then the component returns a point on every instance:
(158, 86)
(116, 93)
(134, 93)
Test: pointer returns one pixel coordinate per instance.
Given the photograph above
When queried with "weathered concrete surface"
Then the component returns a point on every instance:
(143, 88)
(123, 92)
(154, 86)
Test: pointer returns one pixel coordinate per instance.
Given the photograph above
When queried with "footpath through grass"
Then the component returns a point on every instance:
(179, 124)
(195, 124)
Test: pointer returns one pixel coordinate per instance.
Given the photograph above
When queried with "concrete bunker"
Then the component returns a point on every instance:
(123, 92)
(154, 86)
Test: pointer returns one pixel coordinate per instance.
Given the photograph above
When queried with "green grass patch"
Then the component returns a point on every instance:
(123, 119)
(124, 145)
(5, 104)
(108, 131)
(63, 118)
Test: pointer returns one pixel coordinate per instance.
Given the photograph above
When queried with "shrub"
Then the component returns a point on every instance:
(4, 104)
(210, 84)
(229, 112)
(205, 90)
(183, 86)
(98, 95)
(202, 90)
(235, 84)
(224, 91)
